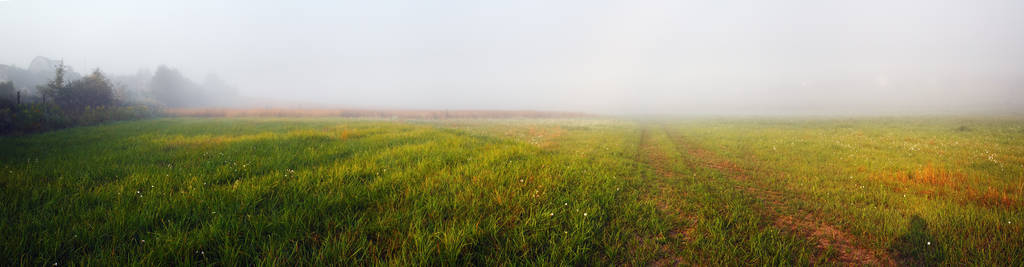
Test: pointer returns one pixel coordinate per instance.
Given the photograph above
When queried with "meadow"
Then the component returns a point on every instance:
(581, 191)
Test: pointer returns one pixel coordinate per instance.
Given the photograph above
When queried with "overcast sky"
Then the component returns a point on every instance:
(596, 56)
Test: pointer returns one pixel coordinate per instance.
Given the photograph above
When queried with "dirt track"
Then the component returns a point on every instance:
(803, 223)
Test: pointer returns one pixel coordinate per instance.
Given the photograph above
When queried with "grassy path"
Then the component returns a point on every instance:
(773, 206)
(682, 225)
(711, 221)
(913, 188)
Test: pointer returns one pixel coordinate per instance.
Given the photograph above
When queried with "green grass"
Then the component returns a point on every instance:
(519, 192)
(896, 184)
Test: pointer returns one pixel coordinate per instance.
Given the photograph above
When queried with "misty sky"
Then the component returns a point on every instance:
(747, 57)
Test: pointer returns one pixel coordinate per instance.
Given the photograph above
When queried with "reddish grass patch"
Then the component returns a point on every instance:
(992, 197)
(940, 182)
(927, 175)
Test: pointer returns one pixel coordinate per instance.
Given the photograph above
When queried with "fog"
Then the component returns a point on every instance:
(608, 57)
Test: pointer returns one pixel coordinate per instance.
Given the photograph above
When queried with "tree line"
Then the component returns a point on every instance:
(69, 99)
(62, 103)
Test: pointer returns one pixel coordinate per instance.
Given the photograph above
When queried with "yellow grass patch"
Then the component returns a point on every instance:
(369, 113)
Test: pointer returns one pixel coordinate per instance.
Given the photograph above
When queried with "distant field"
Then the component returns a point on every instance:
(368, 113)
(565, 191)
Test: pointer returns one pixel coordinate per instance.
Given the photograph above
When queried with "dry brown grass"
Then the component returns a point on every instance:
(940, 182)
(935, 176)
(927, 175)
(992, 197)
(367, 113)
(344, 134)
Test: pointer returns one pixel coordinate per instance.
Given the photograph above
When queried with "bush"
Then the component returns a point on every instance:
(33, 117)
(38, 117)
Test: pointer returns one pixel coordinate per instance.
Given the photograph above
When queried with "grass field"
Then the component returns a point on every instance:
(590, 191)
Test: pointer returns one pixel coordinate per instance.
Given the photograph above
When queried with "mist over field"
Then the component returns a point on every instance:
(606, 57)
(511, 133)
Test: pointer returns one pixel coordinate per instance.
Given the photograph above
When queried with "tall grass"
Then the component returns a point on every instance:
(318, 191)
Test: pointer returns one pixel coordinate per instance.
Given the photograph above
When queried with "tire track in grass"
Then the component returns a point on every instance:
(801, 222)
(683, 225)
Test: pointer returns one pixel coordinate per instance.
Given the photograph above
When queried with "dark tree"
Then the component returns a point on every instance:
(94, 90)
(8, 97)
(51, 89)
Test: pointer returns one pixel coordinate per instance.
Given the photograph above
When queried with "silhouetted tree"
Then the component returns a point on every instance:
(50, 90)
(94, 90)
(132, 88)
(215, 86)
(7, 95)
(173, 89)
